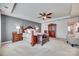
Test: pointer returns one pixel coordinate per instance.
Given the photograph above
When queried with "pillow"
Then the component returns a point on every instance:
(25, 31)
(29, 30)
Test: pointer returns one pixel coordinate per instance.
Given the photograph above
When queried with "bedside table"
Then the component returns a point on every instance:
(16, 37)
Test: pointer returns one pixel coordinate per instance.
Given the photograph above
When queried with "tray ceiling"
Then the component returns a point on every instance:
(30, 11)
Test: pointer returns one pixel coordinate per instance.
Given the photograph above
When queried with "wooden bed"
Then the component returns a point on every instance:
(34, 38)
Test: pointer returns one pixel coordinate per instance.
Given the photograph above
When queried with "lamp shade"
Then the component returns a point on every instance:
(36, 27)
(17, 27)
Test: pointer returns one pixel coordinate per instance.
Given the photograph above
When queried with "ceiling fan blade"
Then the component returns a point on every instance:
(44, 14)
(49, 14)
(49, 17)
(39, 17)
(41, 14)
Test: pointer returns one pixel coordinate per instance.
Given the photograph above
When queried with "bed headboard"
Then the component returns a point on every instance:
(28, 27)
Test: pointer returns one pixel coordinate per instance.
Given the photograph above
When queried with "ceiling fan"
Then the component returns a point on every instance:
(45, 15)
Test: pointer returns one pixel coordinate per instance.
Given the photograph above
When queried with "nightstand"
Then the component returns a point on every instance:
(16, 37)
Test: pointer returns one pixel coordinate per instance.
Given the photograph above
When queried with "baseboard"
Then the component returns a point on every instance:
(6, 42)
(61, 38)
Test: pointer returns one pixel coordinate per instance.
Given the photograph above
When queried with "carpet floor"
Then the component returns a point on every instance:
(55, 47)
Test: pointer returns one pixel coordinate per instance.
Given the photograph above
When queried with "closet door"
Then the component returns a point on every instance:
(52, 30)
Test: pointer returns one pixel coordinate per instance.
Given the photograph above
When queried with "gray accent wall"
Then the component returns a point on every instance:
(8, 25)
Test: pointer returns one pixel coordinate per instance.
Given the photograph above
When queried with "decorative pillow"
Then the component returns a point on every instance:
(25, 31)
(29, 30)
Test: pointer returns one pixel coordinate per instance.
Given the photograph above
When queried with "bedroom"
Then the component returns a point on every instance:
(18, 18)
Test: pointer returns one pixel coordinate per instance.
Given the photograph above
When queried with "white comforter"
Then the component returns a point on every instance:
(27, 37)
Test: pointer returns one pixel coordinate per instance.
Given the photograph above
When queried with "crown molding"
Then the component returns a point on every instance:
(59, 19)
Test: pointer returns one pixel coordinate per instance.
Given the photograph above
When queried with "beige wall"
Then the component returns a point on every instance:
(61, 31)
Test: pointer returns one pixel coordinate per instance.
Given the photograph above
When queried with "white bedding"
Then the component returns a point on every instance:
(27, 37)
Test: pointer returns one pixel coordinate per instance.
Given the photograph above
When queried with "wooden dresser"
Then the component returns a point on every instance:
(16, 37)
